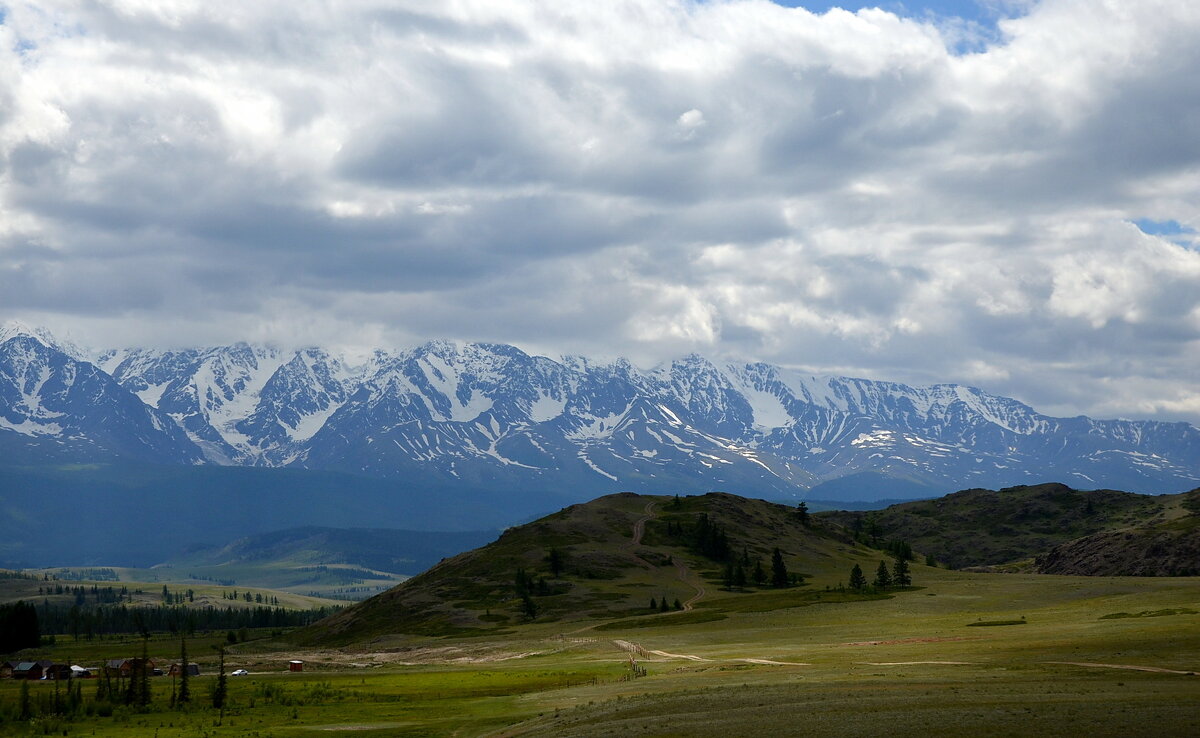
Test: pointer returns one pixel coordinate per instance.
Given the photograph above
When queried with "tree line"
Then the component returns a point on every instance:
(103, 620)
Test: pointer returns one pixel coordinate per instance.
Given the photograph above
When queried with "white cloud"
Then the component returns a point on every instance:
(647, 177)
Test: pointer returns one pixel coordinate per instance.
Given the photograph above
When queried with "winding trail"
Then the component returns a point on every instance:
(638, 650)
(684, 572)
(639, 527)
(1132, 667)
(915, 663)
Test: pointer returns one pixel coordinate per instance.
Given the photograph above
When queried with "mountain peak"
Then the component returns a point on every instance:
(14, 328)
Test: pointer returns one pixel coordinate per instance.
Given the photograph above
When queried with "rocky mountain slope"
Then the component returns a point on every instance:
(490, 417)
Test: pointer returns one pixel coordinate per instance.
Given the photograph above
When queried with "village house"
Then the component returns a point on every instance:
(57, 671)
(125, 667)
(28, 670)
(192, 670)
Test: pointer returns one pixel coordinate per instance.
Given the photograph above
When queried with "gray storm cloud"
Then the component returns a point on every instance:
(839, 192)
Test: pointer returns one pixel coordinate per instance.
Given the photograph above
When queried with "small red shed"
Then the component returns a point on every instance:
(295, 665)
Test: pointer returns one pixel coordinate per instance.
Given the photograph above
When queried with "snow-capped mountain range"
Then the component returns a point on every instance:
(491, 416)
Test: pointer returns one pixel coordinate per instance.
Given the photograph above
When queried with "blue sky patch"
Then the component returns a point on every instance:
(980, 11)
(1166, 228)
(975, 21)
(1172, 230)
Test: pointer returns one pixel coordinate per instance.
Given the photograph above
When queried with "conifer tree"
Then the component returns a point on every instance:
(185, 694)
(103, 685)
(857, 579)
(528, 607)
(802, 513)
(221, 689)
(900, 573)
(779, 572)
(555, 559)
(25, 704)
(760, 574)
(739, 576)
(883, 578)
(143, 675)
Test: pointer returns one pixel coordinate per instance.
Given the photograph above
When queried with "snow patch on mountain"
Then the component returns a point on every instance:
(546, 408)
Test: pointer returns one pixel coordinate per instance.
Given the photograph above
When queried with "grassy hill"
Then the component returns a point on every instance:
(979, 527)
(615, 554)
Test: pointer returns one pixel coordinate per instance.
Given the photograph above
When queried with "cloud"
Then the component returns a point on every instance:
(843, 192)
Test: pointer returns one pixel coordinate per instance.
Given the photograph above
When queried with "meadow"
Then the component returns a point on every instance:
(1065, 656)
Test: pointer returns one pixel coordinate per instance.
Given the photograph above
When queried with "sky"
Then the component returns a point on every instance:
(1002, 193)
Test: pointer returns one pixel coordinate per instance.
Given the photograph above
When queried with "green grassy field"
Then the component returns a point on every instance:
(907, 664)
(149, 592)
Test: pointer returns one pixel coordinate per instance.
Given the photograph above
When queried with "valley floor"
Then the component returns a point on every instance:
(934, 661)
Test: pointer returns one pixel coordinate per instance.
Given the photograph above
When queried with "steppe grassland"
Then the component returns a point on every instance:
(859, 676)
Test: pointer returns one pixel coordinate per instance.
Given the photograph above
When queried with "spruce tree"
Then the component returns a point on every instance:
(857, 579)
(779, 572)
(662, 605)
(24, 703)
(221, 689)
(900, 574)
(802, 513)
(185, 694)
(143, 676)
(555, 559)
(883, 578)
(739, 576)
(527, 606)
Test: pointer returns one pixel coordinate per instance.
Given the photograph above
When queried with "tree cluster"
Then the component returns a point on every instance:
(709, 539)
(525, 585)
(897, 576)
(98, 594)
(19, 627)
